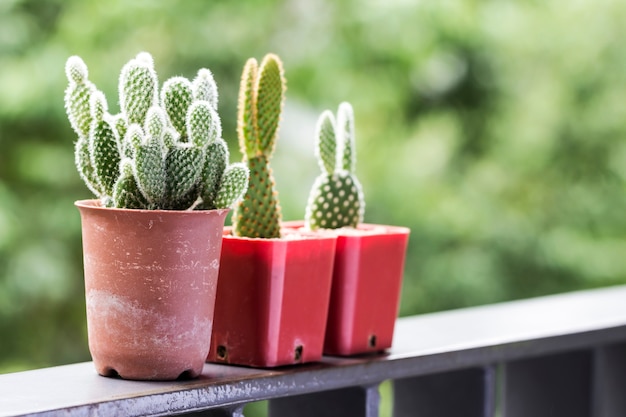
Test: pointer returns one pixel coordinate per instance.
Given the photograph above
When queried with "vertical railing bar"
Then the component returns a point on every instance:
(372, 400)
(491, 389)
(499, 389)
(238, 411)
(503, 389)
(596, 372)
(608, 380)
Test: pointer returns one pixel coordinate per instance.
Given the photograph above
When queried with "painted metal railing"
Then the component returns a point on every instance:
(555, 356)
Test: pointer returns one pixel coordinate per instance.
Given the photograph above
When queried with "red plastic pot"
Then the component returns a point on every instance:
(150, 284)
(272, 300)
(365, 295)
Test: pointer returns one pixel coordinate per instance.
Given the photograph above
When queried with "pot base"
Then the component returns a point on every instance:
(145, 372)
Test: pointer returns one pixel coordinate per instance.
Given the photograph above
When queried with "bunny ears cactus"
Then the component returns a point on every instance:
(336, 198)
(261, 98)
(162, 151)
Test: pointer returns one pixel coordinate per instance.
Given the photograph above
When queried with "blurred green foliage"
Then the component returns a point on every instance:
(494, 129)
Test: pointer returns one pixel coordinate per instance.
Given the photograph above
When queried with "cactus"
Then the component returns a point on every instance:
(162, 151)
(261, 97)
(336, 198)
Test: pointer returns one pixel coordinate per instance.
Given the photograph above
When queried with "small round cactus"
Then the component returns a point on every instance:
(336, 198)
(261, 97)
(162, 151)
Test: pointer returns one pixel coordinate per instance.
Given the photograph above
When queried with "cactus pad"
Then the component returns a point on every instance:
(336, 198)
(261, 98)
(153, 155)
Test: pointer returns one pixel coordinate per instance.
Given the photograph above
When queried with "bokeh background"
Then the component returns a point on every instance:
(494, 129)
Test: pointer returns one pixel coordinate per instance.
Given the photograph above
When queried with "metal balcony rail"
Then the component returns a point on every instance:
(562, 355)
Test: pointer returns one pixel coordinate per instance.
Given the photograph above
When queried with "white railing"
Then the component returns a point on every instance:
(555, 356)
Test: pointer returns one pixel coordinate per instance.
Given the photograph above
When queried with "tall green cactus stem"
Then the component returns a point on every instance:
(153, 154)
(261, 98)
(336, 198)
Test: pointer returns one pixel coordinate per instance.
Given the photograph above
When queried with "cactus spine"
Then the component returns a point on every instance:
(162, 151)
(336, 198)
(261, 98)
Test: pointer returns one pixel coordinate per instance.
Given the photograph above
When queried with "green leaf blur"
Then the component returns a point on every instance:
(494, 129)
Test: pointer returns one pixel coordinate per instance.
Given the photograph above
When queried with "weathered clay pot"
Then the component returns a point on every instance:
(272, 300)
(150, 285)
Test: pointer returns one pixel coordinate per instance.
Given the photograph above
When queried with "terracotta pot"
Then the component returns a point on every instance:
(150, 283)
(365, 295)
(272, 300)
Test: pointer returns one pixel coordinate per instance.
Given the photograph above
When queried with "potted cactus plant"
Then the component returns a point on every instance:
(152, 238)
(274, 283)
(369, 258)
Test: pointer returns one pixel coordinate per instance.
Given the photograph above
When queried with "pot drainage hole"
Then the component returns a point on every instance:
(372, 341)
(111, 373)
(298, 353)
(186, 374)
(222, 353)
